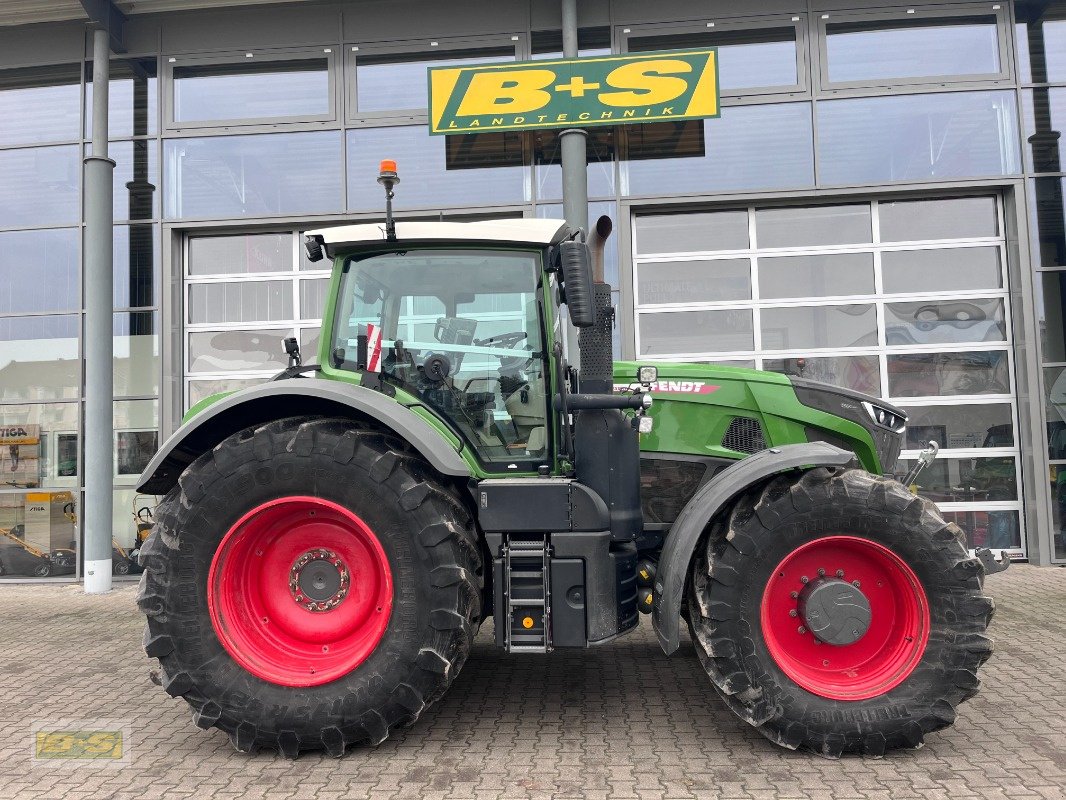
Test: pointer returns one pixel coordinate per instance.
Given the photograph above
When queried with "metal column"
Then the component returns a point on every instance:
(99, 346)
(575, 167)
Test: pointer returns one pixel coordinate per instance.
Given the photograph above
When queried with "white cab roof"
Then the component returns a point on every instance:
(504, 231)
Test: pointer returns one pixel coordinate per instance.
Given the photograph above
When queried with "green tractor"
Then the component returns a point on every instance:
(331, 541)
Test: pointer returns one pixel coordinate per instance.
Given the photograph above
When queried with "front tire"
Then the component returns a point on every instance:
(251, 537)
(899, 613)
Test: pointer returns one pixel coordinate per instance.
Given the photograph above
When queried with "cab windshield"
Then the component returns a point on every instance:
(461, 330)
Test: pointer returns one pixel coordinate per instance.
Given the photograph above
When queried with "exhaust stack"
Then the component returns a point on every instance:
(597, 342)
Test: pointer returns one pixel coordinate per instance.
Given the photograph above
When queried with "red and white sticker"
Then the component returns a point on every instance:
(373, 348)
(671, 387)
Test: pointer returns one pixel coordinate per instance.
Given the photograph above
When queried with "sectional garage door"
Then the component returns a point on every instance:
(904, 299)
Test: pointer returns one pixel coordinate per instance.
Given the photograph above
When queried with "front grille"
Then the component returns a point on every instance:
(744, 435)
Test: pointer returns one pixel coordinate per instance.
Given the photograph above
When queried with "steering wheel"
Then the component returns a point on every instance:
(507, 341)
(503, 340)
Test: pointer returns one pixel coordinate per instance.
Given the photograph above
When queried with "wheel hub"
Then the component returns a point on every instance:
(835, 611)
(319, 580)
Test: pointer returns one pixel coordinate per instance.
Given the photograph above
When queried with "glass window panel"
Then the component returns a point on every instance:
(257, 88)
(597, 209)
(917, 137)
(818, 326)
(1050, 302)
(39, 271)
(941, 218)
(1057, 476)
(966, 480)
(860, 373)
(136, 178)
(1044, 117)
(200, 389)
(747, 59)
(39, 358)
(136, 266)
(945, 322)
(137, 359)
(39, 186)
(816, 276)
(246, 301)
(915, 48)
(309, 341)
(993, 529)
(748, 147)
(960, 426)
(694, 281)
(935, 374)
(313, 298)
(269, 174)
(40, 104)
(437, 171)
(50, 458)
(240, 255)
(590, 42)
(392, 81)
(133, 451)
(1041, 43)
(941, 270)
(1047, 219)
(696, 332)
(132, 98)
(237, 351)
(43, 533)
(800, 226)
(697, 232)
(600, 147)
(126, 525)
(1055, 387)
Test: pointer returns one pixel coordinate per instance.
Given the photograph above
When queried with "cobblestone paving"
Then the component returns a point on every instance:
(622, 721)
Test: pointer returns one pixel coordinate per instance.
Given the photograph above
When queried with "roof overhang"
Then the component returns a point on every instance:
(26, 12)
(537, 232)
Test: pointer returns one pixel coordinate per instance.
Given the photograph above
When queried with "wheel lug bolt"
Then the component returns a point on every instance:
(825, 662)
(821, 572)
(793, 595)
(801, 630)
(840, 573)
(793, 613)
(856, 584)
(325, 648)
(805, 579)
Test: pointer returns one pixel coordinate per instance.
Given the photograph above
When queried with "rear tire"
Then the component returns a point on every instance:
(896, 682)
(430, 594)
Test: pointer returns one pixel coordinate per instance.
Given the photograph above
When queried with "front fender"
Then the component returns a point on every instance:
(707, 503)
(258, 405)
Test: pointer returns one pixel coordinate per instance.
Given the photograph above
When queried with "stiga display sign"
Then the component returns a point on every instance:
(598, 90)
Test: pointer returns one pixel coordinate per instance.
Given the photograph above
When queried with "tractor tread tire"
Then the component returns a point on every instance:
(425, 657)
(725, 592)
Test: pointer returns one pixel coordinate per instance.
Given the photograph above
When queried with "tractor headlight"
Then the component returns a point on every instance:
(647, 375)
(886, 418)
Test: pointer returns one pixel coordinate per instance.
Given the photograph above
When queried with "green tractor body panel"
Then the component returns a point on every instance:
(696, 403)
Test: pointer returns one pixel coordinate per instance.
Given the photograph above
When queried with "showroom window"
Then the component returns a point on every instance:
(923, 46)
(904, 299)
(390, 80)
(253, 87)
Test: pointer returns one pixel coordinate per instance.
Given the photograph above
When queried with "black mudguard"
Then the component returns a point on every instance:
(706, 504)
(258, 405)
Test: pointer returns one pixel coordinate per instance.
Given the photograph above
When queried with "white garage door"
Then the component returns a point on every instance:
(902, 299)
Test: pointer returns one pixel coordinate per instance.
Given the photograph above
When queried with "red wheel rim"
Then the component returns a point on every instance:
(300, 591)
(886, 653)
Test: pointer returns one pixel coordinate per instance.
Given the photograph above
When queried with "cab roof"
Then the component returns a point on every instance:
(539, 232)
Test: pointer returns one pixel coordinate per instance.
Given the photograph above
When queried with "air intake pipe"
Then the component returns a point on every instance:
(597, 341)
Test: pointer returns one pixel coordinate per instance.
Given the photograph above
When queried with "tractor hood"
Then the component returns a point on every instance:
(731, 412)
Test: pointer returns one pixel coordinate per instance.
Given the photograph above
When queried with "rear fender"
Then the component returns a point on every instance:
(258, 405)
(714, 498)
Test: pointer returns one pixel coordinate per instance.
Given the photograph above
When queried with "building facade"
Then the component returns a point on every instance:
(879, 205)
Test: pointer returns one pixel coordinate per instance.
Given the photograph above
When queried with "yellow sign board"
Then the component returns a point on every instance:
(575, 92)
(20, 434)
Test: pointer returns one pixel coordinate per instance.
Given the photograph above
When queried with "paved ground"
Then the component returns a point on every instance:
(620, 722)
